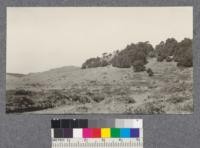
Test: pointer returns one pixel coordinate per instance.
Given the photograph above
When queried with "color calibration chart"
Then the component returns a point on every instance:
(98, 133)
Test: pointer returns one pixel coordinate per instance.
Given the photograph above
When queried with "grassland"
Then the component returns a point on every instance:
(103, 90)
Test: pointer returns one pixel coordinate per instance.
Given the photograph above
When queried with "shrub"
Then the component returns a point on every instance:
(177, 99)
(160, 58)
(104, 63)
(84, 99)
(24, 101)
(98, 98)
(138, 66)
(80, 98)
(169, 59)
(187, 106)
(150, 72)
(130, 100)
(150, 108)
(83, 66)
(152, 54)
(23, 92)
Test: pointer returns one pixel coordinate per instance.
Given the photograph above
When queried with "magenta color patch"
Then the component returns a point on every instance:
(87, 133)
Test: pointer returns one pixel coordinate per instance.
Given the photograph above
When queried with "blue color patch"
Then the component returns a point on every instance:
(135, 133)
(125, 132)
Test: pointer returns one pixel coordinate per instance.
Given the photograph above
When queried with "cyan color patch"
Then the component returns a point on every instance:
(125, 132)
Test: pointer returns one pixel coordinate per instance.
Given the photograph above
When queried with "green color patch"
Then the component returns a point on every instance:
(115, 132)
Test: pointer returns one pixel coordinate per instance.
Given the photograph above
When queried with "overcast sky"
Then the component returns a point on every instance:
(39, 39)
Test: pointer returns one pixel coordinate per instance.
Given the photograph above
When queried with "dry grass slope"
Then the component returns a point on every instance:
(103, 90)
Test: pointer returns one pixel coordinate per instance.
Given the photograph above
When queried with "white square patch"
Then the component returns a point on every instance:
(77, 133)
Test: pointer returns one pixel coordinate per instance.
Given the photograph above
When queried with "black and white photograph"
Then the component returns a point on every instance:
(99, 60)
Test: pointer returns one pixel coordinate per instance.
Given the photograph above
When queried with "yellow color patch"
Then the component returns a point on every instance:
(105, 132)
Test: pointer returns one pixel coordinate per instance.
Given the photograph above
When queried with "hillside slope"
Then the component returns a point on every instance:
(104, 90)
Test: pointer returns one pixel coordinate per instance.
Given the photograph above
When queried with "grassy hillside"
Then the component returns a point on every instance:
(103, 90)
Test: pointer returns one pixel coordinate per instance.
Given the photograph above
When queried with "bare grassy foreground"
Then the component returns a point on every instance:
(103, 90)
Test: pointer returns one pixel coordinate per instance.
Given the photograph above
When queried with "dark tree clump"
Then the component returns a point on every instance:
(183, 56)
(166, 49)
(132, 55)
(94, 62)
(180, 52)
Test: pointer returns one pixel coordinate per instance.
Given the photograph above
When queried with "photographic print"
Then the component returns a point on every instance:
(99, 60)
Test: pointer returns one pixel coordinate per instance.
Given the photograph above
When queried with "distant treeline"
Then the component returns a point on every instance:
(136, 55)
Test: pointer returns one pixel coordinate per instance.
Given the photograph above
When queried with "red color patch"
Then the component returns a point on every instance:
(96, 133)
